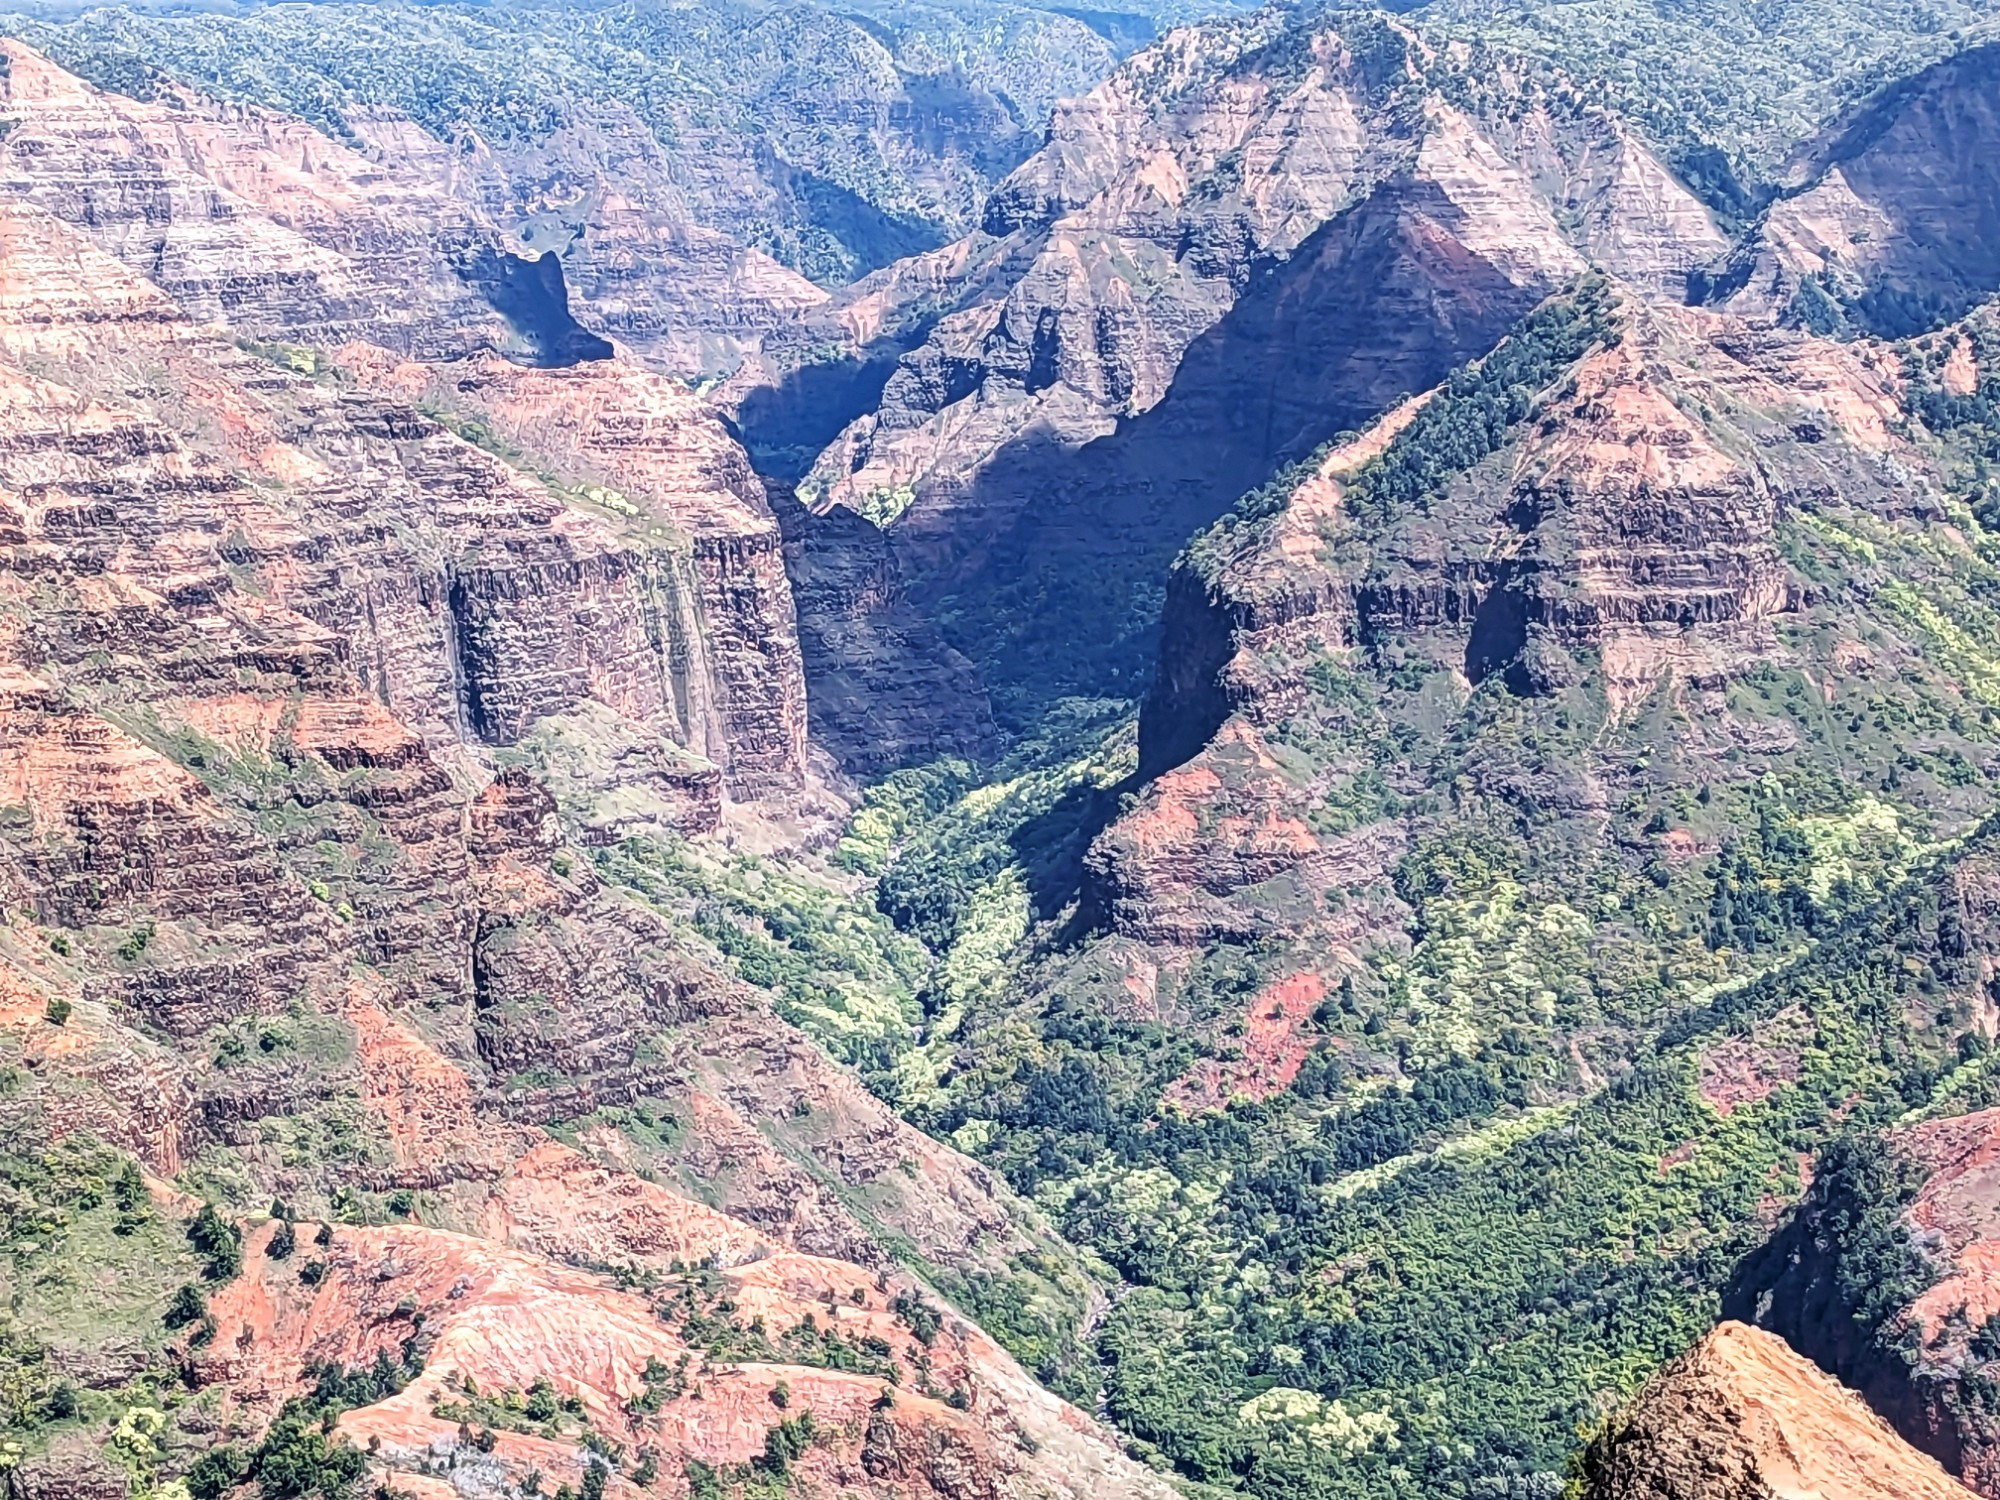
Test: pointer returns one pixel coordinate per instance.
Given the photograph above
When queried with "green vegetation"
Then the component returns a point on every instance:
(1426, 1334)
(1629, 960)
(1860, 1190)
(1476, 410)
(314, 364)
(302, 1454)
(86, 1268)
(836, 968)
(662, 1384)
(218, 1242)
(538, 1410)
(188, 1306)
(698, 1307)
(895, 805)
(955, 874)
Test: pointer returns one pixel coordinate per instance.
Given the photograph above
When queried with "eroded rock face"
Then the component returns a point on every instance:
(1742, 1417)
(1892, 223)
(660, 154)
(1104, 257)
(1627, 538)
(886, 691)
(469, 595)
(315, 673)
(243, 215)
(685, 617)
(114, 828)
(472, 598)
(1239, 200)
(1615, 523)
(599, 191)
(1924, 1364)
(504, 1317)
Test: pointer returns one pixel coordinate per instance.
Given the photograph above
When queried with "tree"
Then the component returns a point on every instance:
(218, 1242)
(785, 1444)
(300, 1457)
(215, 1473)
(186, 1306)
(128, 1188)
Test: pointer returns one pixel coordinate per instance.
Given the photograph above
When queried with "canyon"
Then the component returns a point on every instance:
(300, 640)
(991, 753)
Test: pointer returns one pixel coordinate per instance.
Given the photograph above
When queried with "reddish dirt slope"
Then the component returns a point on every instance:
(1743, 1417)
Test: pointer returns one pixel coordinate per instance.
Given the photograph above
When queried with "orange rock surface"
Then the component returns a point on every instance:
(1742, 1417)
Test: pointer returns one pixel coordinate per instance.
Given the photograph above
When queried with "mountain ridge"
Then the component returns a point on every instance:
(1352, 799)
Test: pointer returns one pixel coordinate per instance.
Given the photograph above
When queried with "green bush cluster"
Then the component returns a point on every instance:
(1473, 413)
(218, 1242)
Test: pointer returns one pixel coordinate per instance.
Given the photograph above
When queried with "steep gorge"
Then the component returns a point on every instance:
(1555, 809)
(303, 605)
(1248, 241)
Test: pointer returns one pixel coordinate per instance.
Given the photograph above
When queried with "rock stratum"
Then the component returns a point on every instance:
(323, 563)
(699, 168)
(1094, 375)
(1479, 851)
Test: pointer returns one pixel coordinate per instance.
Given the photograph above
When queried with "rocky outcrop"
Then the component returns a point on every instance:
(1742, 1417)
(886, 691)
(599, 191)
(687, 619)
(1637, 221)
(496, 1318)
(1890, 223)
(243, 215)
(1099, 383)
(1630, 510)
(1922, 1354)
(1211, 831)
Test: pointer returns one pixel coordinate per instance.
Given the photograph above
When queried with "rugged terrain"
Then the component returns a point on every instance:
(1740, 1414)
(714, 787)
(336, 645)
(1490, 751)
(697, 168)
(1208, 272)
(1889, 226)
